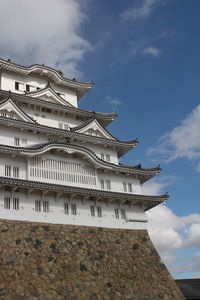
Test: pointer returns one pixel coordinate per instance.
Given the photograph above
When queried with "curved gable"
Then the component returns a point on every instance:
(48, 94)
(93, 127)
(10, 110)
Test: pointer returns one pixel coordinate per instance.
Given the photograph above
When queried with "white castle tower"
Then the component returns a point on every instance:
(58, 163)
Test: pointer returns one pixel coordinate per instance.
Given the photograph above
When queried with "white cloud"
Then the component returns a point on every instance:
(183, 141)
(140, 12)
(114, 102)
(171, 233)
(46, 31)
(152, 51)
(158, 186)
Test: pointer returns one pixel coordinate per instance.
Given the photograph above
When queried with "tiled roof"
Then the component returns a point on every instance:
(148, 201)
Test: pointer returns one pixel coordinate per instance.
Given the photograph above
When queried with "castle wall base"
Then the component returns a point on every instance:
(49, 261)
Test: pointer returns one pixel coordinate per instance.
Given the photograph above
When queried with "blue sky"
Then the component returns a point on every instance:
(143, 56)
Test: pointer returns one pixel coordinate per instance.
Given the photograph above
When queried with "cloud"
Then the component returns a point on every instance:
(46, 31)
(140, 12)
(152, 51)
(114, 102)
(182, 142)
(171, 233)
(158, 186)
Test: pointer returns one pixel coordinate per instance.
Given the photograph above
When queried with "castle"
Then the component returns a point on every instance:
(59, 164)
(72, 217)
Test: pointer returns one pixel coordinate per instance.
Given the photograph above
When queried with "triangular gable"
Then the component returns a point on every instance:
(94, 128)
(10, 110)
(48, 94)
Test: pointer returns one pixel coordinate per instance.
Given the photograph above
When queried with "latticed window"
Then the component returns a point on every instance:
(108, 185)
(130, 187)
(7, 202)
(16, 203)
(7, 171)
(66, 208)
(99, 211)
(16, 141)
(45, 205)
(73, 209)
(116, 213)
(125, 187)
(123, 214)
(102, 184)
(37, 205)
(16, 172)
(92, 210)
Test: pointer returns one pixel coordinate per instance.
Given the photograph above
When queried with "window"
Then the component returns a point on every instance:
(102, 156)
(7, 202)
(99, 211)
(16, 141)
(123, 214)
(16, 203)
(130, 187)
(108, 185)
(66, 126)
(102, 184)
(125, 187)
(108, 157)
(7, 171)
(92, 210)
(45, 206)
(73, 209)
(27, 87)
(3, 114)
(16, 172)
(116, 213)
(63, 126)
(37, 205)
(66, 208)
(19, 86)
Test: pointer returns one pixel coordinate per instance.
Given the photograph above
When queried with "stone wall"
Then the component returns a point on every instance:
(48, 261)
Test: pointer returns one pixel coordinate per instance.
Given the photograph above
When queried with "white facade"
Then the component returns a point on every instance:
(58, 166)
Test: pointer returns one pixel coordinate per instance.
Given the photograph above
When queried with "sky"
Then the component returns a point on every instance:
(143, 56)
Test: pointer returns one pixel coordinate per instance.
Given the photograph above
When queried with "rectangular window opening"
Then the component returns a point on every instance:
(8, 171)
(37, 205)
(92, 210)
(16, 141)
(66, 208)
(16, 172)
(125, 187)
(108, 185)
(102, 184)
(123, 214)
(73, 209)
(16, 203)
(116, 213)
(99, 211)
(45, 206)
(7, 202)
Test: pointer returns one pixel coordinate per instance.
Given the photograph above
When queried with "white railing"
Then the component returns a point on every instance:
(63, 171)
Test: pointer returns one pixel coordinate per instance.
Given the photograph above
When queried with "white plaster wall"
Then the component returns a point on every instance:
(8, 83)
(117, 182)
(13, 162)
(98, 149)
(56, 212)
(51, 119)
(8, 134)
